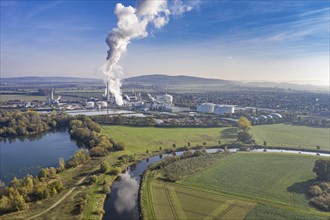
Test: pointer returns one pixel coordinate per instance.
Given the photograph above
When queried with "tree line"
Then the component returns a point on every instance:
(18, 123)
(88, 132)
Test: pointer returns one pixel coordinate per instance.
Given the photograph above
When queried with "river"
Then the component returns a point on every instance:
(26, 155)
(122, 202)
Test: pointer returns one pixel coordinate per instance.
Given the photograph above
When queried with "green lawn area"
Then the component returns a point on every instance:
(139, 139)
(274, 177)
(282, 135)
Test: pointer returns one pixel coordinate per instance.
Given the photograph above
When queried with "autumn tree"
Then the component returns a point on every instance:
(244, 124)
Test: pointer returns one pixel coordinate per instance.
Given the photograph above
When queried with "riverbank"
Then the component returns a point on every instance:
(142, 144)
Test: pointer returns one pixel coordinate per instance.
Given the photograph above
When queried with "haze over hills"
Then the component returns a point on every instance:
(48, 79)
(161, 79)
(166, 81)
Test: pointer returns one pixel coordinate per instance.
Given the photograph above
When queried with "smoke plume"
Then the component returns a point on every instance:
(133, 23)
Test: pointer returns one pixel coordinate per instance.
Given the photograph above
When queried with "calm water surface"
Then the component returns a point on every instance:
(26, 155)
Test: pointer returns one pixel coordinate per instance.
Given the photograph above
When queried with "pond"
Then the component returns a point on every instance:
(26, 155)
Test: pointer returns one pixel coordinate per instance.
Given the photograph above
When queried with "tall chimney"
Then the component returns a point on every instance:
(108, 92)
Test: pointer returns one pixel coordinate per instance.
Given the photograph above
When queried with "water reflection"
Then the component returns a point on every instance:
(26, 155)
(126, 193)
(33, 137)
(133, 167)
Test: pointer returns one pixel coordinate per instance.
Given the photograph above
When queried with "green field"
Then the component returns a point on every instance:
(139, 139)
(275, 213)
(240, 186)
(282, 135)
(174, 201)
(280, 178)
(27, 97)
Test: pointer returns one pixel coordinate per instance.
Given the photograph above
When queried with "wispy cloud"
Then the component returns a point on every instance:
(42, 8)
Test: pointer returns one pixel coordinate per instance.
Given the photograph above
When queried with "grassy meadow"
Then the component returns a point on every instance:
(238, 186)
(283, 135)
(173, 201)
(140, 139)
(274, 177)
(275, 213)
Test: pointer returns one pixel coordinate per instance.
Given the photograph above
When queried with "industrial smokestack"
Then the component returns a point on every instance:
(132, 23)
(108, 93)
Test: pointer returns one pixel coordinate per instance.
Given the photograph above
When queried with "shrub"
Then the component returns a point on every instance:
(171, 177)
(186, 154)
(104, 167)
(119, 146)
(93, 179)
(98, 152)
(198, 153)
(315, 190)
(116, 171)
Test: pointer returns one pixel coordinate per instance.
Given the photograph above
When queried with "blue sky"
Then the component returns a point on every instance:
(234, 40)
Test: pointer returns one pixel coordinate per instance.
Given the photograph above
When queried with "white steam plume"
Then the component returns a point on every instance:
(132, 23)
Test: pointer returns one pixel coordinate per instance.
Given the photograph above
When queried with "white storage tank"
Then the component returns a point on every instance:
(89, 104)
(276, 115)
(224, 109)
(269, 117)
(206, 108)
(262, 118)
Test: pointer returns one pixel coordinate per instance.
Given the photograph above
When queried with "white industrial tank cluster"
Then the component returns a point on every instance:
(216, 109)
(206, 108)
(224, 109)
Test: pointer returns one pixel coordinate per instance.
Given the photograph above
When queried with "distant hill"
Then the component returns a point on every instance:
(37, 79)
(158, 79)
(164, 81)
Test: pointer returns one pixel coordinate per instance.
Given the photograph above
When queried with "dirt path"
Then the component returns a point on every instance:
(59, 201)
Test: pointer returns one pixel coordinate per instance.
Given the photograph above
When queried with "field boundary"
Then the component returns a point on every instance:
(219, 210)
(257, 200)
(175, 202)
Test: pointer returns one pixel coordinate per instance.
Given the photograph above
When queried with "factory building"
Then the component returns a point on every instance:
(90, 105)
(176, 109)
(224, 109)
(51, 100)
(206, 108)
(102, 104)
(165, 99)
